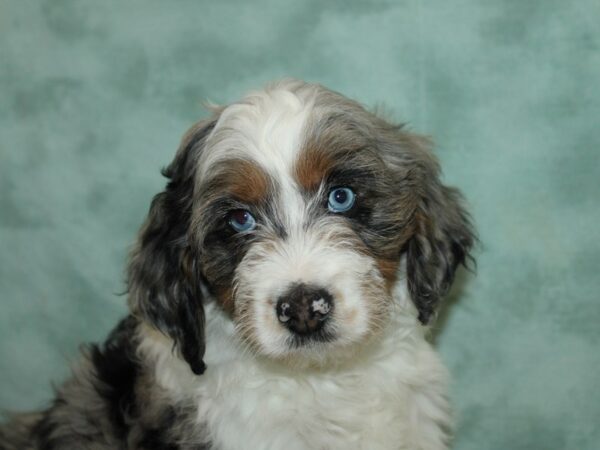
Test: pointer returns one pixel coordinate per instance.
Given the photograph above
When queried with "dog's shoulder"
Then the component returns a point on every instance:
(109, 402)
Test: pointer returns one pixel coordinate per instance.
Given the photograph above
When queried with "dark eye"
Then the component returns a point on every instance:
(341, 199)
(241, 220)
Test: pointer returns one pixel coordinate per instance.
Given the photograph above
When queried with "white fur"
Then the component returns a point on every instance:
(391, 395)
(268, 128)
(315, 259)
(377, 385)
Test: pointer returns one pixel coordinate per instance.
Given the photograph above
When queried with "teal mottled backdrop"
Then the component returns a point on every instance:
(94, 97)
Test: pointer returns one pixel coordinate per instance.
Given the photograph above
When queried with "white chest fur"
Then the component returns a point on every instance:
(392, 396)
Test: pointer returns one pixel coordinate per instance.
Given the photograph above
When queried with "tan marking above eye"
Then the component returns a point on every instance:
(244, 180)
(312, 167)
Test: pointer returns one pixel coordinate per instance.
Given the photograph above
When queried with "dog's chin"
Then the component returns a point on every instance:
(326, 349)
(321, 355)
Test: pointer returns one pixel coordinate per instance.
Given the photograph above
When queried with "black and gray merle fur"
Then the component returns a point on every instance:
(111, 400)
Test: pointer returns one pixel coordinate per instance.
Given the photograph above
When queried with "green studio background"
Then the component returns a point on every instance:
(94, 97)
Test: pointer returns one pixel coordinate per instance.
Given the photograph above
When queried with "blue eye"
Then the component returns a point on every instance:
(241, 220)
(341, 199)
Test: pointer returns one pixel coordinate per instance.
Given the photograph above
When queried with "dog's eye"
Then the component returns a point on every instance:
(341, 199)
(241, 220)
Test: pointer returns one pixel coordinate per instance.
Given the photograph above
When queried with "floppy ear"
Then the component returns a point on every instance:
(163, 276)
(441, 233)
(442, 241)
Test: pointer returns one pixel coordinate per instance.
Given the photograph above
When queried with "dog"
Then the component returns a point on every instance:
(280, 292)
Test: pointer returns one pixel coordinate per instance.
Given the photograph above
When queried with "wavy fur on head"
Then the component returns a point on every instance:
(263, 316)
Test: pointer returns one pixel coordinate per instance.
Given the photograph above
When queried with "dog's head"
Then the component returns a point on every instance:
(292, 209)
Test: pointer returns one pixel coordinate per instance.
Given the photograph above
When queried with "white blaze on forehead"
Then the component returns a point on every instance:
(265, 127)
(268, 128)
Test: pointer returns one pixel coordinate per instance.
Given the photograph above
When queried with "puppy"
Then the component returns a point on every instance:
(279, 292)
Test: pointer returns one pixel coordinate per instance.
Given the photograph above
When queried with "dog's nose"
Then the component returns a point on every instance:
(304, 309)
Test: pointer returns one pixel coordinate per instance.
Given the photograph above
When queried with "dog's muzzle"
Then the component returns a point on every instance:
(304, 309)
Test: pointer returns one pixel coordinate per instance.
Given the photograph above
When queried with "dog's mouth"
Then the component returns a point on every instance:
(322, 336)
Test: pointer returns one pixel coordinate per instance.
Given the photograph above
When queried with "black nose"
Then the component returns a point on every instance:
(304, 309)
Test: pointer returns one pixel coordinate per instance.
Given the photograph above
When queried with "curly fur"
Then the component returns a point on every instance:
(201, 361)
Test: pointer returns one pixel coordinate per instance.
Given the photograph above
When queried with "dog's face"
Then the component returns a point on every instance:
(293, 208)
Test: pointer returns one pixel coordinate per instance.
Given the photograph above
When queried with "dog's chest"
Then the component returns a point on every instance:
(392, 398)
(244, 407)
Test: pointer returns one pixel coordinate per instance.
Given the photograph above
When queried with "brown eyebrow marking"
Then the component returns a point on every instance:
(312, 166)
(242, 179)
(330, 146)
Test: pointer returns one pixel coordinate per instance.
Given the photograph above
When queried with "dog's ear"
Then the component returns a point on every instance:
(163, 275)
(441, 235)
(442, 241)
(442, 232)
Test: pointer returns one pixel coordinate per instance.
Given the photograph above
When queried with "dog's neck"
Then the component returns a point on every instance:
(395, 379)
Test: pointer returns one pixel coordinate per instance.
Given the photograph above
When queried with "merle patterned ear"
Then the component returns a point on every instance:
(163, 276)
(440, 235)
(441, 242)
